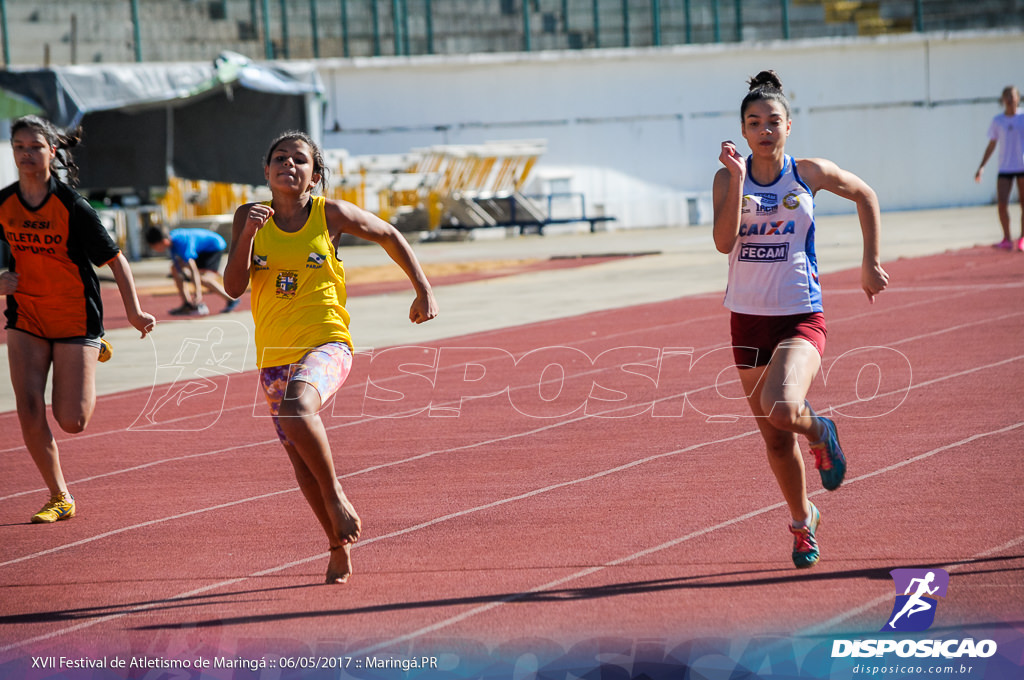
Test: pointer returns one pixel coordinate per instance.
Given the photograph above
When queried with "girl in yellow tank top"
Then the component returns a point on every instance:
(287, 249)
(298, 290)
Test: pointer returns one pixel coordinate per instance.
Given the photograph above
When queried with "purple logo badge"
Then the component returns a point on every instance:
(916, 593)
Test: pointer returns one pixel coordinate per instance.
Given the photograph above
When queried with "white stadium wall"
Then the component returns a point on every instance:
(639, 130)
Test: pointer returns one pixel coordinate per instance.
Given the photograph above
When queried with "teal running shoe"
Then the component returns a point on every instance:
(828, 456)
(805, 546)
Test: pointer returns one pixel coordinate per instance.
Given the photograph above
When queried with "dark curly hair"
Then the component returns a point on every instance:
(62, 165)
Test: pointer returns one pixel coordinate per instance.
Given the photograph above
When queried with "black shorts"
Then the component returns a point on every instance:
(208, 261)
(83, 340)
(1011, 175)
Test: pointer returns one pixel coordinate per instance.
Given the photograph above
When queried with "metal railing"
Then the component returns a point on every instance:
(282, 29)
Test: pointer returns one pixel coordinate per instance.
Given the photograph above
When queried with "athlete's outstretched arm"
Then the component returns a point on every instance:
(142, 321)
(349, 218)
(984, 159)
(820, 173)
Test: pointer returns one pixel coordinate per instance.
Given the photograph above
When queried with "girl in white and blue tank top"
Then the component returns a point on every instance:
(764, 221)
(772, 267)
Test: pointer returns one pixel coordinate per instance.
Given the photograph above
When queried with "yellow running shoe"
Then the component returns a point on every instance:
(106, 351)
(61, 506)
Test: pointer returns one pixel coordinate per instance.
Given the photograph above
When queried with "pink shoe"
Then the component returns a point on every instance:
(1020, 244)
(1005, 244)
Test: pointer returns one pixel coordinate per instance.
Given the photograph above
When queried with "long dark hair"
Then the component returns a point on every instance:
(63, 165)
(319, 167)
(765, 85)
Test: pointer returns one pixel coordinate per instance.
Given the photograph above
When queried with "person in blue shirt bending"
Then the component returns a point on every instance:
(195, 255)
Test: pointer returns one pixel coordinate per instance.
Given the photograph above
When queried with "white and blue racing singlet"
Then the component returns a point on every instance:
(773, 270)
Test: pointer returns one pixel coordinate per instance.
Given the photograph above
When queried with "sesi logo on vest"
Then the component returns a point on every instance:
(768, 228)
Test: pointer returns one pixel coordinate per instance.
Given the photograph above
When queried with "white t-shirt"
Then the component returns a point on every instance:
(1009, 132)
(773, 270)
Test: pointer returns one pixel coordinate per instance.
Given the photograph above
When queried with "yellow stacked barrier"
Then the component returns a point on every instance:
(186, 199)
(425, 182)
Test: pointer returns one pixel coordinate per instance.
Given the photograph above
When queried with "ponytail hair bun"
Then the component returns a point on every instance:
(766, 85)
(766, 79)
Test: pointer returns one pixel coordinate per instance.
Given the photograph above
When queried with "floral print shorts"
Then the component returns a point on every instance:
(325, 367)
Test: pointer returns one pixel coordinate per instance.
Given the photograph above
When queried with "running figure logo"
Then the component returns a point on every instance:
(916, 593)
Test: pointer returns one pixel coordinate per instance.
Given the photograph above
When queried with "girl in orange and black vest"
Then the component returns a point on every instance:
(287, 249)
(54, 311)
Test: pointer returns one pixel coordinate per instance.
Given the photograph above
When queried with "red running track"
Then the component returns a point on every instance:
(611, 488)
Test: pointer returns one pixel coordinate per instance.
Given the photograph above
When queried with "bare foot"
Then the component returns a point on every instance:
(346, 521)
(339, 568)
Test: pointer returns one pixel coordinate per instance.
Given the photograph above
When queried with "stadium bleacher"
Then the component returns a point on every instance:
(61, 32)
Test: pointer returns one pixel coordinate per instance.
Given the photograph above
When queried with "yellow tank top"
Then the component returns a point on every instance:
(298, 290)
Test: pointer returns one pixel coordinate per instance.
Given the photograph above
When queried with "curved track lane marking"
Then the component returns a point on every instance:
(511, 598)
(361, 421)
(606, 336)
(676, 541)
(463, 447)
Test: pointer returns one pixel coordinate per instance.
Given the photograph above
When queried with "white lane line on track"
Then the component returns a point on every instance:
(372, 468)
(433, 628)
(950, 329)
(605, 336)
(463, 447)
(961, 291)
(553, 584)
(380, 381)
(970, 288)
(426, 454)
(360, 421)
(426, 630)
(349, 423)
(318, 557)
(362, 543)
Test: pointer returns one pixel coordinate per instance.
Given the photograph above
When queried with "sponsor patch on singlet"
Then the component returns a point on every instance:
(764, 252)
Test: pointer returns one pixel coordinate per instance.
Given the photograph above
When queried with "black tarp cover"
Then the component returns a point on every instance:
(142, 122)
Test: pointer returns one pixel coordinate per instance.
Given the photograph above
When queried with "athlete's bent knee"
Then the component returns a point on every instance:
(32, 413)
(73, 423)
(783, 415)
